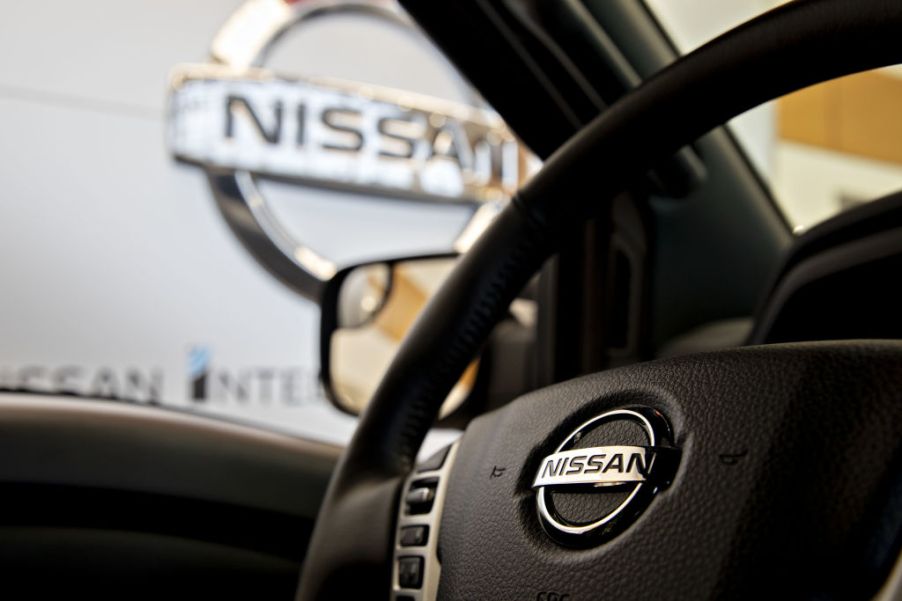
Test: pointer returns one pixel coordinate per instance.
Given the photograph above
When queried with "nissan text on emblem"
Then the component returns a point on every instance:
(604, 474)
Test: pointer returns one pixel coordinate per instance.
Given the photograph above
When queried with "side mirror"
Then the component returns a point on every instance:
(366, 312)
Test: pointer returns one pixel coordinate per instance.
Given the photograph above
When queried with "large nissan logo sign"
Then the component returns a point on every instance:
(241, 122)
(603, 474)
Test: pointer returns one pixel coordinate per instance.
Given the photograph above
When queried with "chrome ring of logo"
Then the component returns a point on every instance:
(239, 121)
(638, 471)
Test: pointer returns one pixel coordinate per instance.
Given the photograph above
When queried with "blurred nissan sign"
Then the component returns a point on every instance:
(241, 122)
(340, 134)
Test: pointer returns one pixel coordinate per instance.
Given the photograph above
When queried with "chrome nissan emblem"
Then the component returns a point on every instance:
(244, 124)
(604, 474)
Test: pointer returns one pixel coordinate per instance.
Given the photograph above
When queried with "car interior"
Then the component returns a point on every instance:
(662, 281)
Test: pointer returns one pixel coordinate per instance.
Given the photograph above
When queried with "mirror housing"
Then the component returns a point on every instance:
(367, 310)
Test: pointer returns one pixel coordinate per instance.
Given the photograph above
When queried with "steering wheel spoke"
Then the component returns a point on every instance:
(416, 567)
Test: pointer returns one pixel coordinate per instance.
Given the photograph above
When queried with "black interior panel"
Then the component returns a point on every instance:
(104, 500)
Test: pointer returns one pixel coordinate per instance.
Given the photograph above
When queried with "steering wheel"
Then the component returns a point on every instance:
(742, 473)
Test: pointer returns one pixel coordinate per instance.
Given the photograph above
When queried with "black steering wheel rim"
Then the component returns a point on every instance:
(794, 46)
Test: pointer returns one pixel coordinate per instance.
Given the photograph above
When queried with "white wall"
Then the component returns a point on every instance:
(115, 258)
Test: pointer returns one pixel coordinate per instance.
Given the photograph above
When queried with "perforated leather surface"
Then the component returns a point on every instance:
(787, 487)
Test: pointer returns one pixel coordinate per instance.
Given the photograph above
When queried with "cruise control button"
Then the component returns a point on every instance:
(414, 536)
(410, 572)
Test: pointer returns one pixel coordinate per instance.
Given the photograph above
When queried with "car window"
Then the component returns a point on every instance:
(823, 149)
(167, 166)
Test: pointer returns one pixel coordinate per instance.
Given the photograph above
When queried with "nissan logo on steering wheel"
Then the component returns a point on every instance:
(603, 475)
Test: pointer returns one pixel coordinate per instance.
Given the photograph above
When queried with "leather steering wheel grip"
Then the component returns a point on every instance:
(791, 47)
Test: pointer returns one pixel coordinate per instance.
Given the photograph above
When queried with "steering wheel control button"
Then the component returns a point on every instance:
(435, 461)
(604, 474)
(414, 536)
(410, 572)
(420, 497)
